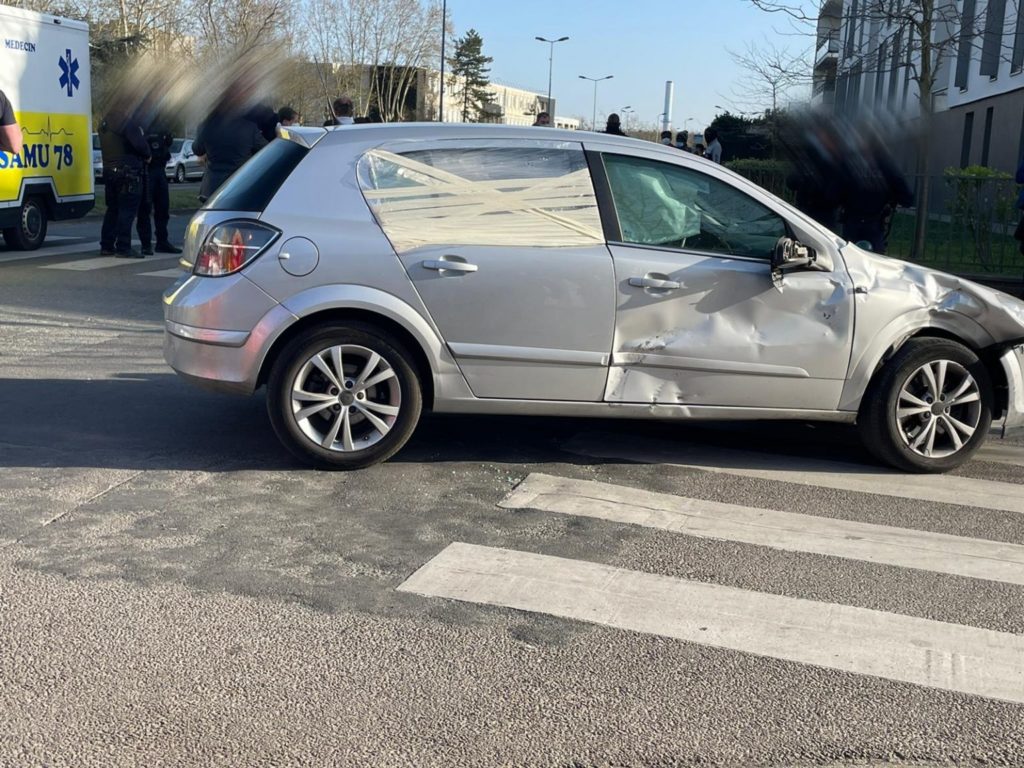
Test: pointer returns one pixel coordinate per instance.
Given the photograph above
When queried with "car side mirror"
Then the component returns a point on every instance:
(790, 254)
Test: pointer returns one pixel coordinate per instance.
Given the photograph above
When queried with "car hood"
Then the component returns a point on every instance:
(898, 287)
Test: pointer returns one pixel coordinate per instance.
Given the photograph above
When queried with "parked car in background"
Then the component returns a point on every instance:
(184, 163)
(97, 158)
(365, 274)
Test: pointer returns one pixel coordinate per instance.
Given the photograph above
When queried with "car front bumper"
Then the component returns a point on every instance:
(1013, 366)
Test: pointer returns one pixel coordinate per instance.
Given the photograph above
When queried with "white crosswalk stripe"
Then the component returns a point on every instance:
(941, 553)
(107, 262)
(942, 489)
(859, 640)
(1001, 452)
(174, 272)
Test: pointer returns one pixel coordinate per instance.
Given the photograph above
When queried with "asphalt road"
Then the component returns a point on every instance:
(175, 590)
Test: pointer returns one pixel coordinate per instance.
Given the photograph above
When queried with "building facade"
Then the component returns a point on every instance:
(868, 61)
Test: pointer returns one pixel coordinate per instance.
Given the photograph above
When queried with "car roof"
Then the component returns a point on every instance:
(369, 132)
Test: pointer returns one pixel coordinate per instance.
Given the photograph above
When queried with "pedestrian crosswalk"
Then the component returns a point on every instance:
(854, 639)
(111, 262)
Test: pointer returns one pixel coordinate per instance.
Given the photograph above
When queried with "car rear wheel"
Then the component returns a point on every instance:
(179, 174)
(30, 231)
(929, 408)
(344, 397)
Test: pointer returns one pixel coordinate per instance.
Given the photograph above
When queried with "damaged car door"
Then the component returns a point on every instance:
(699, 318)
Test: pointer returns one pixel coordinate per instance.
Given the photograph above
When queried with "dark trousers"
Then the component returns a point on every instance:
(156, 199)
(123, 190)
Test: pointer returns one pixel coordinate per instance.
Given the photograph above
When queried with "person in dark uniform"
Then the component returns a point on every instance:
(156, 195)
(125, 156)
(227, 139)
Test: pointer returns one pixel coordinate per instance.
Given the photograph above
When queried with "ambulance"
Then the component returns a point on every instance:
(44, 71)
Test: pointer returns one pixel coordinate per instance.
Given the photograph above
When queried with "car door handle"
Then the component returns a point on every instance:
(647, 281)
(451, 266)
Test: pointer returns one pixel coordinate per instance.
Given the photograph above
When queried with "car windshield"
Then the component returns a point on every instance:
(176, 146)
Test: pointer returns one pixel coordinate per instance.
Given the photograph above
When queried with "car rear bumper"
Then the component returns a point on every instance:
(224, 361)
(1013, 367)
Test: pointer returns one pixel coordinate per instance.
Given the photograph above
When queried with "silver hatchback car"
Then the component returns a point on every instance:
(365, 273)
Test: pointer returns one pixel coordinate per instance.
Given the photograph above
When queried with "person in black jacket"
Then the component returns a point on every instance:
(226, 139)
(614, 125)
(156, 195)
(125, 157)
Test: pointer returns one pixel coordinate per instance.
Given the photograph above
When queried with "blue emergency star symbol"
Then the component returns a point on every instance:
(69, 72)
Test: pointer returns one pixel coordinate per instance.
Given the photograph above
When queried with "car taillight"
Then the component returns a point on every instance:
(231, 246)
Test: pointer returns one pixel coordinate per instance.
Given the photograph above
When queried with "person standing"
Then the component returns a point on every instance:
(226, 139)
(10, 133)
(614, 125)
(714, 150)
(125, 155)
(288, 117)
(343, 112)
(156, 195)
(543, 119)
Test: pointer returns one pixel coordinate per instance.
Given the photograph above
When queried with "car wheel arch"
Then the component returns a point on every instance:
(341, 315)
(987, 353)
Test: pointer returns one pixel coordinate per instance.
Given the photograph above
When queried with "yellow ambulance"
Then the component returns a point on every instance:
(44, 71)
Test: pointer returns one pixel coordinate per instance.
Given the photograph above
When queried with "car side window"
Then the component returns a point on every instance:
(675, 207)
(498, 196)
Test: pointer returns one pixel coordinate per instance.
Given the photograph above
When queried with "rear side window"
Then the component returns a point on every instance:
(176, 146)
(252, 186)
(497, 196)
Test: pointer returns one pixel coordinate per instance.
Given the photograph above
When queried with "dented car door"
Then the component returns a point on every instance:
(699, 318)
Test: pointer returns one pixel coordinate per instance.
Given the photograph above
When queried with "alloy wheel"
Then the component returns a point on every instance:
(938, 409)
(346, 398)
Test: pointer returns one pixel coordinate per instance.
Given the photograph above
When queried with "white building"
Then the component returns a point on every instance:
(866, 62)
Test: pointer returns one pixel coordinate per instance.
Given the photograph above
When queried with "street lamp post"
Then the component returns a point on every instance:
(551, 63)
(627, 111)
(595, 81)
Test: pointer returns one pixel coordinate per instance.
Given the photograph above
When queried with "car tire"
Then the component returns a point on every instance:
(179, 174)
(929, 408)
(337, 422)
(30, 231)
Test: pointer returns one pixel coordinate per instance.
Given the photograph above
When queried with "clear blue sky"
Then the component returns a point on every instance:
(642, 44)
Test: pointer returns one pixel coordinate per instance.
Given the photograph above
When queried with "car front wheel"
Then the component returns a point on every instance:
(929, 408)
(344, 397)
(179, 174)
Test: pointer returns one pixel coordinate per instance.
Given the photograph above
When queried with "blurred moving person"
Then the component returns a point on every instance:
(543, 119)
(874, 187)
(1019, 234)
(813, 146)
(227, 138)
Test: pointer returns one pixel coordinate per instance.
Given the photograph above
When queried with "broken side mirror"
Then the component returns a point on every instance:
(790, 254)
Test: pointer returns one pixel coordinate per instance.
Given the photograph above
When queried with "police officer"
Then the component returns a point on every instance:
(125, 156)
(156, 196)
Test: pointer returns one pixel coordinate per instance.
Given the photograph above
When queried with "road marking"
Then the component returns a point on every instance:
(1001, 452)
(820, 473)
(952, 657)
(902, 547)
(102, 262)
(87, 265)
(63, 250)
(173, 272)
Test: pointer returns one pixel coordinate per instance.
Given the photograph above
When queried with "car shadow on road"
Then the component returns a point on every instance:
(156, 421)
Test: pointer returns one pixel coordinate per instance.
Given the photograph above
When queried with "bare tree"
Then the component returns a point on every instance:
(374, 50)
(928, 33)
(770, 75)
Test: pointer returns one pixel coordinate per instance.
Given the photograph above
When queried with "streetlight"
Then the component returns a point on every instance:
(595, 81)
(551, 63)
(627, 111)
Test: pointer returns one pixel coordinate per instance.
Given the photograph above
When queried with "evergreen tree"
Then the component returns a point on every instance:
(470, 64)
